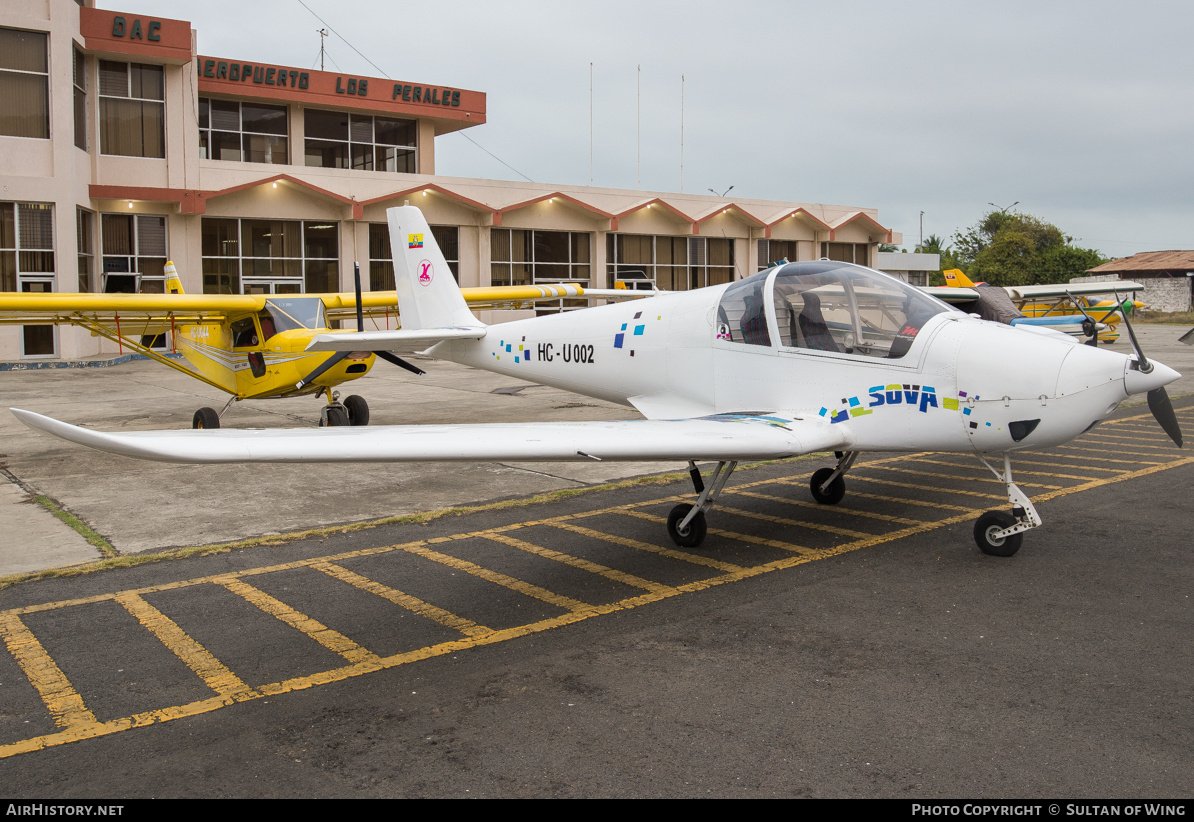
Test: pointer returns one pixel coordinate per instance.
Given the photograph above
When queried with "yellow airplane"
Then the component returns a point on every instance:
(252, 346)
(1065, 307)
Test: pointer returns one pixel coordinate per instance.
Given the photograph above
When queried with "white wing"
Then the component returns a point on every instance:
(722, 437)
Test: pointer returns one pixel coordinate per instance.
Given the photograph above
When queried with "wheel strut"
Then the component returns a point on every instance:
(998, 533)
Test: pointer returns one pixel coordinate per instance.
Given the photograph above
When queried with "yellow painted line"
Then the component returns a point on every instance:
(61, 699)
(898, 500)
(410, 603)
(934, 488)
(582, 564)
(1016, 470)
(671, 553)
(526, 588)
(338, 674)
(832, 529)
(751, 538)
(1087, 450)
(325, 636)
(213, 672)
(847, 510)
(1097, 435)
(976, 479)
(1023, 461)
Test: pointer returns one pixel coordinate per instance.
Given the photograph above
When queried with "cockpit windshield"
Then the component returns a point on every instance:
(297, 312)
(827, 306)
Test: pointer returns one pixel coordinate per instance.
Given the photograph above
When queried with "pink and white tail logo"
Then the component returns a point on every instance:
(426, 272)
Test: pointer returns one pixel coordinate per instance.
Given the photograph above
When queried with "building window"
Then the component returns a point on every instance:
(24, 84)
(84, 229)
(857, 253)
(80, 100)
(132, 109)
(27, 264)
(381, 261)
(270, 256)
(776, 251)
(710, 261)
(336, 139)
(643, 261)
(248, 132)
(134, 253)
(524, 256)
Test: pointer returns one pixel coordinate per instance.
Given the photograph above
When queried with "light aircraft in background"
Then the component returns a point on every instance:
(1068, 308)
(254, 346)
(800, 358)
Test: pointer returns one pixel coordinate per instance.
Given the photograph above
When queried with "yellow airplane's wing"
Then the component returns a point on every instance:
(108, 309)
(342, 306)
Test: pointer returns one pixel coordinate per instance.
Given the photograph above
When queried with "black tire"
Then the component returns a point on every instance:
(337, 416)
(833, 494)
(987, 525)
(358, 410)
(694, 534)
(205, 418)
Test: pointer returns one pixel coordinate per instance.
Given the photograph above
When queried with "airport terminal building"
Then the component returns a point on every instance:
(122, 146)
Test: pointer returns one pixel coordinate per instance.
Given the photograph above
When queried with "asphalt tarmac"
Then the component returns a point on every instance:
(567, 648)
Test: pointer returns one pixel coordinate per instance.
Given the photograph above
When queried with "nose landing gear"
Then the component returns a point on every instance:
(999, 533)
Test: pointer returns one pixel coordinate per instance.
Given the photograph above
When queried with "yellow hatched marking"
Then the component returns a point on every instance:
(935, 488)
(968, 467)
(325, 636)
(204, 706)
(751, 538)
(671, 553)
(832, 529)
(581, 564)
(194, 656)
(61, 699)
(853, 512)
(1105, 459)
(410, 603)
(534, 591)
(1023, 461)
(1132, 438)
(967, 478)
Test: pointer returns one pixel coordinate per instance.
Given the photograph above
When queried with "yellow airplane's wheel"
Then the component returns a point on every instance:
(205, 418)
(337, 416)
(358, 410)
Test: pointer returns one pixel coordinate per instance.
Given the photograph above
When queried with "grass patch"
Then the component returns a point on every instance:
(86, 531)
(113, 559)
(1168, 317)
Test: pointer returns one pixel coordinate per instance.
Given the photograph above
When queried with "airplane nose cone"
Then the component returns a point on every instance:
(1139, 382)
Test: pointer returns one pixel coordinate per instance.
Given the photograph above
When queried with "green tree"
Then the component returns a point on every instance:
(1009, 248)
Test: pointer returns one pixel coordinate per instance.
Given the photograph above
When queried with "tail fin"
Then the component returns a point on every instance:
(428, 296)
(954, 277)
(173, 284)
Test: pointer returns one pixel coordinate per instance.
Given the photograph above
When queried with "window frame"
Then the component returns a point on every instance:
(45, 85)
(349, 158)
(25, 278)
(244, 135)
(105, 118)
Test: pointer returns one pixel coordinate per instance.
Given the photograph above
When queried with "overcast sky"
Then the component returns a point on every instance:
(1081, 111)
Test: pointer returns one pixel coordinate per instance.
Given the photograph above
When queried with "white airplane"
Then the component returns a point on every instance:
(803, 357)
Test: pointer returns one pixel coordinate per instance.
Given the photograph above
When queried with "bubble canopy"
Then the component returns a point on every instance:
(826, 306)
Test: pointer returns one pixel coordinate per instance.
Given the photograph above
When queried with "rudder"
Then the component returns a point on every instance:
(428, 296)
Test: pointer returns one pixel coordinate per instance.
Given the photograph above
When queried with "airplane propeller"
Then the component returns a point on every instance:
(385, 355)
(1158, 399)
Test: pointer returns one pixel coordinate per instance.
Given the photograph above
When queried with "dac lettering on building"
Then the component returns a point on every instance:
(135, 31)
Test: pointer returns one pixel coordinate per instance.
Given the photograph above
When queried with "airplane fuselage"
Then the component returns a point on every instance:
(964, 383)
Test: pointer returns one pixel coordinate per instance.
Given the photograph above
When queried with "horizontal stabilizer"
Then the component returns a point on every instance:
(400, 341)
(725, 437)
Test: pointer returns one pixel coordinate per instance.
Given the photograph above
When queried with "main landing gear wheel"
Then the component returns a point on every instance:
(337, 416)
(693, 534)
(206, 418)
(358, 410)
(991, 523)
(831, 495)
